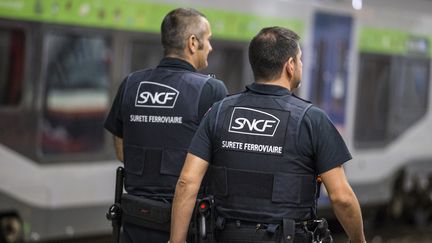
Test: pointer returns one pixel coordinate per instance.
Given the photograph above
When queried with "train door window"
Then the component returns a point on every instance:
(392, 96)
(76, 94)
(12, 54)
(409, 97)
(372, 100)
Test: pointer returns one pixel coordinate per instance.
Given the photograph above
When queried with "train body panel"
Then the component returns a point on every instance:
(369, 69)
(57, 201)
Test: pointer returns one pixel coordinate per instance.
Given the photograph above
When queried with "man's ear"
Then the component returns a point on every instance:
(290, 67)
(192, 44)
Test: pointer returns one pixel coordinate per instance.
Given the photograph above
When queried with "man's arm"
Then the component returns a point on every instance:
(213, 91)
(185, 195)
(344, 203)
(118, 146)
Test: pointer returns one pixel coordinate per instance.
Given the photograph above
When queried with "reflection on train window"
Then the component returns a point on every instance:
(227, 64)
(392, 96)
(145, 54)
(76, 94)
(12, 53)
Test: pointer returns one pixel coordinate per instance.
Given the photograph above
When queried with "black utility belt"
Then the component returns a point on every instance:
(144, 212)
(246, 231)
(303, 231)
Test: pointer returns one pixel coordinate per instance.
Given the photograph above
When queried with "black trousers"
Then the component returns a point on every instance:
(137, 234)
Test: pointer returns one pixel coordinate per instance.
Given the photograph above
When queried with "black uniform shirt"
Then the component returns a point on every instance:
(318, 138)
(212, 91)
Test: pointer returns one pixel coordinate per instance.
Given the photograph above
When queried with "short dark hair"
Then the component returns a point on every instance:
(177, 26)
(270, 49)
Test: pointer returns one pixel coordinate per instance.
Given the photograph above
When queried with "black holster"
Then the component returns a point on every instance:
(202, 225)
(320, 231)
(114, 213)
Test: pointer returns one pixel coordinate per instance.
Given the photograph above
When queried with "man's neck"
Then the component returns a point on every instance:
(278, 82)
(186, 59)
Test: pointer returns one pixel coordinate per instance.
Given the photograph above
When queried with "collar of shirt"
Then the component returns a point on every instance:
(268, 89)
(176, 63)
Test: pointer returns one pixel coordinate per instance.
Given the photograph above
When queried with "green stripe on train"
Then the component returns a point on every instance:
(388, 41)
(135, 15)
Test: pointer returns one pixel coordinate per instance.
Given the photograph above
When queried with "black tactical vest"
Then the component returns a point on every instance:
(160, 117)
(254, 174)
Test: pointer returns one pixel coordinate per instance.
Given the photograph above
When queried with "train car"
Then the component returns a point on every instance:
(62, 61)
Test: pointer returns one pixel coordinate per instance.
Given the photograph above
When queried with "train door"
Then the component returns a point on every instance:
(330, 65)
(16, 46)
(14, 132)
(331, 46)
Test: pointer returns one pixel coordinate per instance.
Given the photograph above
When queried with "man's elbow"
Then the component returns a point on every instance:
(187, 186)
(343, 200)
(184, 184)
(181, 184)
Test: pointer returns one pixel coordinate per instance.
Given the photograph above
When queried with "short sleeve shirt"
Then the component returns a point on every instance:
(318, 137)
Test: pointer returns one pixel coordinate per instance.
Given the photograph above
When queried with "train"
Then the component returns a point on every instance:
(367, 64)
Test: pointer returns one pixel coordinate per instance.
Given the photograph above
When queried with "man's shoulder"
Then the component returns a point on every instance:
(138, 73)
(301, 99)
(316, 115)
(315, 111)
(215, 88)
(214, 82)
(190, 75)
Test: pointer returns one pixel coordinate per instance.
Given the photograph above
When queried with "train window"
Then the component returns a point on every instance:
(12, 54)
(392, 96)
(145, 54)
(409, 97)
(330, 70)
(76, 94)
(227, 64)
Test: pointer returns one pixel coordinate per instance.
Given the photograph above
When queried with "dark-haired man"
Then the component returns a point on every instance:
(153, 118)
(264, 149)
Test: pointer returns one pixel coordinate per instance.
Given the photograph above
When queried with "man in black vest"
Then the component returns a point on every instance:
(265, 149)
(153, 118)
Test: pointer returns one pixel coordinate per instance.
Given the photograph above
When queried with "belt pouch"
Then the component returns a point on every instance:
(288, 230)
(146, 212)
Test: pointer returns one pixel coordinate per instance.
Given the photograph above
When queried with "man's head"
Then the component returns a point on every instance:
(275, 51)
(186, 34)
